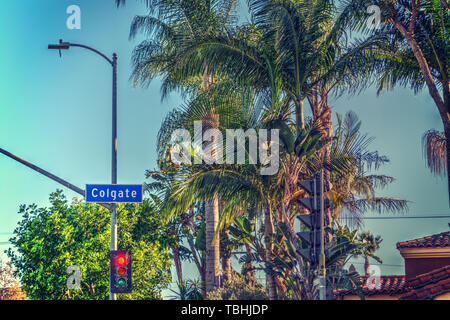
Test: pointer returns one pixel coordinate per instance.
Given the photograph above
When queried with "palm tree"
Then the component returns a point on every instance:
(369, 244)
(186, 226)
(242, 187)
(206, 181)
(300, 44)
(187, 290)
(415, 50)
(251, 77)
(354, 192)
(170, 23)
(302, 39)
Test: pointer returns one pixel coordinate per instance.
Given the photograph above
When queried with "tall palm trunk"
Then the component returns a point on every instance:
(318, 100)
(299, 116)
(212, 265)
(226, 256)
(447, 137)
(212, 244)
(366, 266)
(177, 260)
(443, 105)
(268, 232)
(249, 265)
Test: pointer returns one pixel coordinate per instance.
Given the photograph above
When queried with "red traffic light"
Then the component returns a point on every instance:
(121, 271)
(121, 260)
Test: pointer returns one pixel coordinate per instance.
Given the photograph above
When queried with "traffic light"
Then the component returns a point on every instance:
(311, 237)
(120, 271)
(313, 221)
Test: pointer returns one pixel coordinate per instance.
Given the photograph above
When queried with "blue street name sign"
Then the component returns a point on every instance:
(113, 193)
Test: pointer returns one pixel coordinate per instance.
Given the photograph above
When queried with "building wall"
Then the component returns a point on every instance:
(445, 296)
(416, 266)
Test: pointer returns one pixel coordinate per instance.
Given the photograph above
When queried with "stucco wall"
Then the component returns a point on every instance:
(445, 296)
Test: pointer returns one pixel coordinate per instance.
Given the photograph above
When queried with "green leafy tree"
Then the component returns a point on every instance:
(49, 240)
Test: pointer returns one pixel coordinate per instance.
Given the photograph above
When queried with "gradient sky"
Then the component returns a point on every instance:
(56, 113)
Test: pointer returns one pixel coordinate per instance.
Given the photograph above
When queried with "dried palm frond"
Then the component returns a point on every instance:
(434, 146)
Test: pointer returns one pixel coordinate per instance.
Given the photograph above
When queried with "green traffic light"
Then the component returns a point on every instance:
(121, 282)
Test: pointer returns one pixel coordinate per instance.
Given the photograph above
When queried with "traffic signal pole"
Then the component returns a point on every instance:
(49, 175)
(43, 172)
(316, 203)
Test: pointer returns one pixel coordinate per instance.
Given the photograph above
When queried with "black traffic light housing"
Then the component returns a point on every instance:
(312, 221)
(311, 237)
(120, 271)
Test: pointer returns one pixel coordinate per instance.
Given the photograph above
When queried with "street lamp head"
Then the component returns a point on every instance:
(61, 46)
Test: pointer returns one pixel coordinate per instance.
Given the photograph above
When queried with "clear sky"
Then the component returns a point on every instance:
(56, 113)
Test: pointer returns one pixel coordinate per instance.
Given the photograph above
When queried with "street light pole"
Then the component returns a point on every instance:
(112, 296)
(65, 46)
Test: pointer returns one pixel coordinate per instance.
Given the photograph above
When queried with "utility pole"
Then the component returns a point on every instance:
(322, 267)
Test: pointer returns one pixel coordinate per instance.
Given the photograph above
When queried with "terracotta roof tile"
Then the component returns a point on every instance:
(436, 240)
(390, 285)
(427, 286)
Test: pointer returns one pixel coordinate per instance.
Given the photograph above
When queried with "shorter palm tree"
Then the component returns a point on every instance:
(369, 244)
(354, 193)
(187, 290)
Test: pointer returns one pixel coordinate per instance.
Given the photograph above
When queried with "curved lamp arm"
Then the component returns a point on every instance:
(66, 45)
